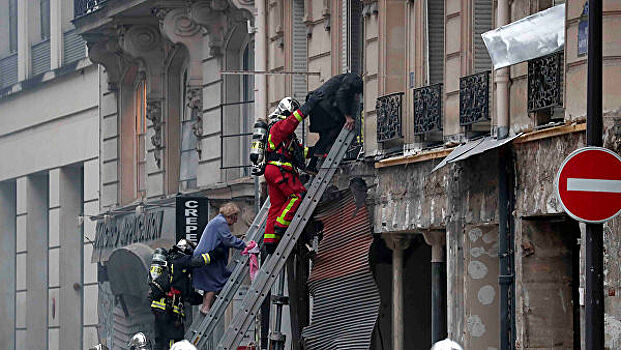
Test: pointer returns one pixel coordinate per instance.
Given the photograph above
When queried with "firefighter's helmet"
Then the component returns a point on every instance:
(183, 345)
(446, 344)
(285, 107)
(139, 341)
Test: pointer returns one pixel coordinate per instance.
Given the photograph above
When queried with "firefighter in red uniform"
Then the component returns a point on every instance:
(284, 155)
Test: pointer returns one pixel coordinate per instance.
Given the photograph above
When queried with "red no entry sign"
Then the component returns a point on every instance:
(588, 184)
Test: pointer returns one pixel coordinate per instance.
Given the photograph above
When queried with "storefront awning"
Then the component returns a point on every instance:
(530, 37)
(473, 148)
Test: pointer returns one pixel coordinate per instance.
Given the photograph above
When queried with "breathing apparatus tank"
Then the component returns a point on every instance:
(257, 151)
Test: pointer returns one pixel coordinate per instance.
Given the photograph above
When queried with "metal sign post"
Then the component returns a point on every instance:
(594, 232)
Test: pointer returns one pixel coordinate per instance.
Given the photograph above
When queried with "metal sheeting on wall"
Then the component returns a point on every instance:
(346, 297)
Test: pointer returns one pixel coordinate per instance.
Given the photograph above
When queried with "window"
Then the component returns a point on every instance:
(247, 109)
(141, 130)
(13, 25)
(44, 7)
(483, 14)
(435, 41)
(189, 156)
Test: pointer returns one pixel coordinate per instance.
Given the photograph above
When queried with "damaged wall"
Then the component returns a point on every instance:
(536, 165)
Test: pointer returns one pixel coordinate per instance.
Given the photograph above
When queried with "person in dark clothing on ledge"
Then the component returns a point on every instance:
(340, 99)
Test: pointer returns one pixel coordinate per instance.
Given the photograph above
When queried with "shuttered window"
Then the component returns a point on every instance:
(482, 23)
(355, 40)
(299, 50)
(435, 35)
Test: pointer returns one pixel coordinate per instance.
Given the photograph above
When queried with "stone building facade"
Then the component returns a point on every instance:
(171, 121)
(49, 179)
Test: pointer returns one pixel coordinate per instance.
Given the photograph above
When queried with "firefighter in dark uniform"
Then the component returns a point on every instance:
(171, 287)
(284, 155)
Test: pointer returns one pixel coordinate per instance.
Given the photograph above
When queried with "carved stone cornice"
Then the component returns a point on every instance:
(104, 50)
(178, 26)
(217, 17)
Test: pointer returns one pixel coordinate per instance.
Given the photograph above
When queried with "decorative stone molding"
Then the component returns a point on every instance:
(105, 50)
(178, 26)
(195, 103)
(437, 240)
(325, 12)
(154, 114)
(217, 17)
(397, 241)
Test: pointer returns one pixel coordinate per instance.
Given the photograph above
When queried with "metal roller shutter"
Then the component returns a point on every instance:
(40, 57)
(435, 22)
(483, 12)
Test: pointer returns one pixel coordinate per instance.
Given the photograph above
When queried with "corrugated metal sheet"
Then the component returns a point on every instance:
(8, 70)
(40, 57)
(346, 298)
(74, 47)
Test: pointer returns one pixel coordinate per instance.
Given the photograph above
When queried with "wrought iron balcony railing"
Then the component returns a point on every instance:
(427, 109)
(544, 82)
(84, 7)
(389, 123)
(474, 98)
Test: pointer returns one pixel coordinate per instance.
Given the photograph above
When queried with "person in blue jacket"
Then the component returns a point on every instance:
(216, 236)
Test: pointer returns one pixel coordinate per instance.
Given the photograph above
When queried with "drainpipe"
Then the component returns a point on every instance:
(437, 240)
(502, 78)
(505, 200)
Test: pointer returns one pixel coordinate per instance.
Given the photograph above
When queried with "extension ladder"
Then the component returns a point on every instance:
(200, 334)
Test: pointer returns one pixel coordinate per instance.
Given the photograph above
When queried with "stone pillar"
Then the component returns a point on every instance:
(56, 34)
(437, 240)
(7, 264)
(68, 182)
(37, 265)
(398, 243)
(23, 39)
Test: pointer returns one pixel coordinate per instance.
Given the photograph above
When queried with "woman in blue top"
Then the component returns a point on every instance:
(217, 235)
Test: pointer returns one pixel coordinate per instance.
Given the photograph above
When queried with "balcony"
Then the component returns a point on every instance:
(545, 83)
(474, 99)
(427, 109)
(84, 7)
(389, 123)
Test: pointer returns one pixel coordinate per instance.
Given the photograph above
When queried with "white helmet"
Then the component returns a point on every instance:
(183, 345)
(139, 341)
(446, 344)
(186, 246)
(285, 107)
(99, 347)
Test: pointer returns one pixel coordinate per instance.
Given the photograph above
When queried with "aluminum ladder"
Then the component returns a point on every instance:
(273, 267)
(202, 330)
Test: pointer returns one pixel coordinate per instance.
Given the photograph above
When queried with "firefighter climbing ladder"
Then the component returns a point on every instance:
(274, 265)
(270, 270)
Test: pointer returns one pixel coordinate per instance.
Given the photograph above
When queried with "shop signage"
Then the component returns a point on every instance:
(192, 217)
(128, 229)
